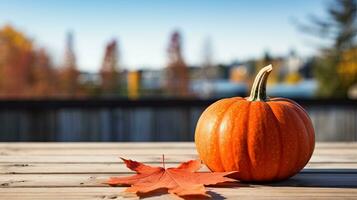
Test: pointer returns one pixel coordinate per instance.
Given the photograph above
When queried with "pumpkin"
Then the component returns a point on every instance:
(264, 139)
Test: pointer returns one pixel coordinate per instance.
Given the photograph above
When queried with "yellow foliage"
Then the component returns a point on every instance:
(347, 68)
(14, 38)
(293, 78)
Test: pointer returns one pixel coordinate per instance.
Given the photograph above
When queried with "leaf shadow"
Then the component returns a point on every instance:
(155, 193)
(229, 185)
(212, 194)
(163, 192)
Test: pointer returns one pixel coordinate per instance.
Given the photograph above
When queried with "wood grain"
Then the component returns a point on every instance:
(108, 168)
(78, 170)
(217, 193)
(138, 151)
(155, 158)
(303, 179)
(139, 145)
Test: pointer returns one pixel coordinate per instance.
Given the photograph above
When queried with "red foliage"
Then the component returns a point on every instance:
(182, 180)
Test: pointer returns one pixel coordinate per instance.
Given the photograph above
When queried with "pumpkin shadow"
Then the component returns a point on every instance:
(341, 178)
(229, 185)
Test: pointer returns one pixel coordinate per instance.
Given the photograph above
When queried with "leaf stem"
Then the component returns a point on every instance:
(163, 161)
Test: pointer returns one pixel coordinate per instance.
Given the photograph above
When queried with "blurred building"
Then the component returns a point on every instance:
(238, 73)
(292, 63)
(152, 79)
(134, 80)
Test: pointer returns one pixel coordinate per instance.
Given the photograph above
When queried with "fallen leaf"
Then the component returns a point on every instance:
(182, 180)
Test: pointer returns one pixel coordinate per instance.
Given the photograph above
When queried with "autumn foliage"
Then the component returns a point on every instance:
(182, 180)
(17, 60)
(109, 71)
(26, 71)
(43, 75)
(177, 77)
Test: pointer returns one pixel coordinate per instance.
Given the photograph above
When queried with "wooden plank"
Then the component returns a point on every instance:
(142, 158)
(106, 168)
(77, 170)
(96, 145)
(303, 179)
(68, 151)
(54, 168)
(93, 158)
(217, 193)
(139, 151)
(136, 145)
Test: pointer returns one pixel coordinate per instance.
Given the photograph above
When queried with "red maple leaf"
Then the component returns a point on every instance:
(182, 180)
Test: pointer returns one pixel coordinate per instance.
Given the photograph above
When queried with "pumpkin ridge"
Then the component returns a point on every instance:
(265, 127)
(298, 153)
(311, 132)
(285, 100)
(301, 113)
(234, 126)
(281, 152)
(220, 152)
(245, 134)
(284, 110)
(216, 128)
(307, 136)
(203, 152)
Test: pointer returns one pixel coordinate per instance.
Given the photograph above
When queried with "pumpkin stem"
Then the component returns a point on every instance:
(258, 92)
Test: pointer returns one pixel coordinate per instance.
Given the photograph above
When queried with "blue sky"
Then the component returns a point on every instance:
(237, 29)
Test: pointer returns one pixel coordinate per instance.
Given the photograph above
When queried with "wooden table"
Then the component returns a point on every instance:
(77, 170)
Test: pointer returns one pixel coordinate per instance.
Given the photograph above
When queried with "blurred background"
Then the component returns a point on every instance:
(145, 70)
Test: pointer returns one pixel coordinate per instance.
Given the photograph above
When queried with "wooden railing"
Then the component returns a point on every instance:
(144, 119)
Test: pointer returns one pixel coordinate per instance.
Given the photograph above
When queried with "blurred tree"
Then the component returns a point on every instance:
(347, 68)
(267, 60)
(177, 81)
(306, 70)
(16, 61)
(43, 76)
(68, 75)
(109, 70)
(209, 71)
(339, 29)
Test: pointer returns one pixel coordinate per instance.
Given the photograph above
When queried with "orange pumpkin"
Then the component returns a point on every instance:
(265, 139)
